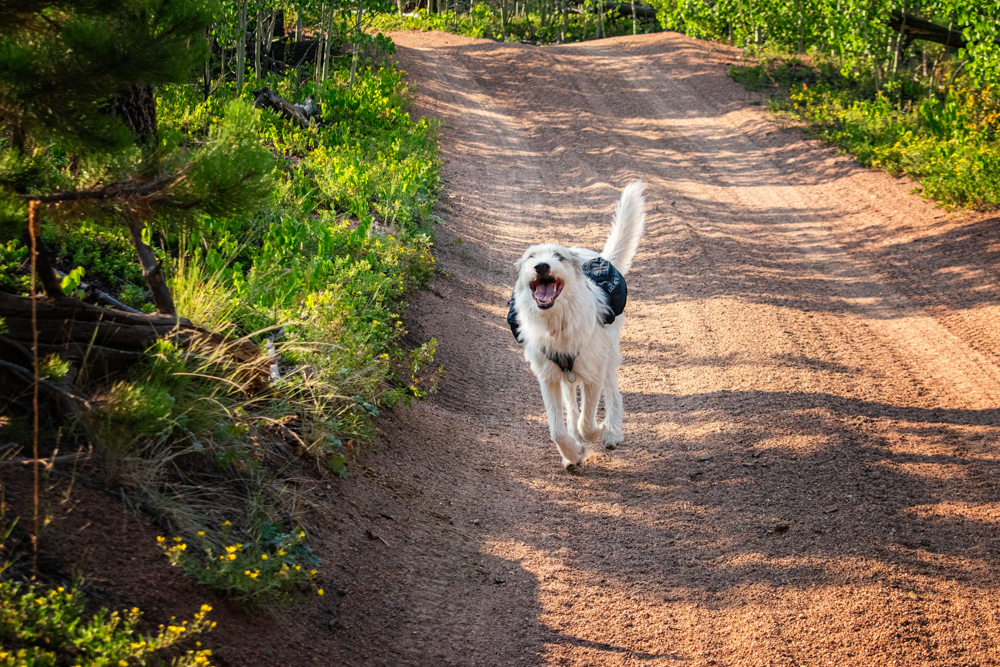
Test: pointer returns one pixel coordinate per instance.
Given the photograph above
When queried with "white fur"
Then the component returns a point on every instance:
(572, 325)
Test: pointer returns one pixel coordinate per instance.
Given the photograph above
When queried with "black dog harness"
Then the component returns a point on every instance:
(603, 274)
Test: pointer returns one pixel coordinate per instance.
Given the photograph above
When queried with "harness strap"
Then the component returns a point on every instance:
(562, 360)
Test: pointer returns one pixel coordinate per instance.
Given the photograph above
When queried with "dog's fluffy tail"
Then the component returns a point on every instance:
(626, 228)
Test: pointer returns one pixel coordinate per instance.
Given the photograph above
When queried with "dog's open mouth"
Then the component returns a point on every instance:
(545, 289)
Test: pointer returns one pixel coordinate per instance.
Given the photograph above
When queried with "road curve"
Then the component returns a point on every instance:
(811, 391)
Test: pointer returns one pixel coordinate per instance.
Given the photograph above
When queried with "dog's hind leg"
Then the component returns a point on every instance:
(611, 434)
(552, 396)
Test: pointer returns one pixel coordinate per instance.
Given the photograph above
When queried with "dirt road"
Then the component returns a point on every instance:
(811, 391)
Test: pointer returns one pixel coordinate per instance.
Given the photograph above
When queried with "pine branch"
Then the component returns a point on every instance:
(112, 191)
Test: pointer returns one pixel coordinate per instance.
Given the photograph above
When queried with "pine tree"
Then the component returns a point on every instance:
(78, 124)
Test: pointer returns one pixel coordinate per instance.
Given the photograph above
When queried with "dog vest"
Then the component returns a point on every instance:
(603, 274)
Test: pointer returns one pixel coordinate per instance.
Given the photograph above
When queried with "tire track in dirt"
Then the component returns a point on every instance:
(810, 387)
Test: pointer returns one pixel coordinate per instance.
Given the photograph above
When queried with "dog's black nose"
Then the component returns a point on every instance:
(541, 268)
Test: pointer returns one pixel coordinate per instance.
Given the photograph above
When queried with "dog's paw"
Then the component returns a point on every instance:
(572, 467)
(611, 437)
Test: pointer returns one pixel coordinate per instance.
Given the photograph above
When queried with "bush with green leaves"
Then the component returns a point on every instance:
(304, 242)
(536, 22)
(277, 568)
(46, 628)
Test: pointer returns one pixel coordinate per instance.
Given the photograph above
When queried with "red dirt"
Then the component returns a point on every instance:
(811, 401)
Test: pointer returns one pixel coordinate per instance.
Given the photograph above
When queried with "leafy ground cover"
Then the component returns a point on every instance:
(533, 22)
(45, 628)
(210, 446)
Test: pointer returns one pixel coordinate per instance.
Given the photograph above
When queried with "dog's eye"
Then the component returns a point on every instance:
(558, 256)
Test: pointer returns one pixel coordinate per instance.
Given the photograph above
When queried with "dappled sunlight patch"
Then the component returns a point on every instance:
(985, 512)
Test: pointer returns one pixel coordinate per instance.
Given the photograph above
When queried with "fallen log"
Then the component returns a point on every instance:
(77, 330)
(297, 113)
(102, 298)
(914, 27)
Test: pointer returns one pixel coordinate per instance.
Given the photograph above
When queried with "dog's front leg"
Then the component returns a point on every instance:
(587, 424)
(552, 395)
(572, 410)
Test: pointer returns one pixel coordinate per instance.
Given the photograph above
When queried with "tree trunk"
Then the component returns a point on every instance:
(152, 270)
(354, 47)
(43, 268)
(329, 45)
(136, 105)
(241, 48)
(258, 36)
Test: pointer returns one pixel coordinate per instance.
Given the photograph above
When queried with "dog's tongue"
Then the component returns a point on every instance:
(545, 292)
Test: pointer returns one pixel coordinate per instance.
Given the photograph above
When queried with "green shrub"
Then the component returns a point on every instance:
(13, 277)
(951, 148)
(48, 628)
(949, 143)
(277, 568)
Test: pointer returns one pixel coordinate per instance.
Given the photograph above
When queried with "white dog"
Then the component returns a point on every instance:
(564, 313)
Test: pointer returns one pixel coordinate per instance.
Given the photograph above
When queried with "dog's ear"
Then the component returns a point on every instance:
(575, 259)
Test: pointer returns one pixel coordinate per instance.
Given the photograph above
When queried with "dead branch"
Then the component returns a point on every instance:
(28, 378)
(298, 113)
(55, 460)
